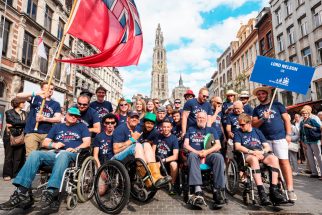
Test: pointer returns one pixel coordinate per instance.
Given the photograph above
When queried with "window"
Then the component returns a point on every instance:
(243, 63)
(246, 58)
(280, 46)
(287, 98)
(48, 18)
(318, 86)
(307, 57)
(58, 69)
(2, 89)
(27, 50)
(319, 49)
(68, 73)
(262, 46)
(303, 26)
(288, 5)
(61, 25)
(71, 41)
(9, 2)
(5, 37)
(32, 8)
(290, 35)
(269, 40)
(278, 15)
(317, 16)
(293, 58)
(43, 62)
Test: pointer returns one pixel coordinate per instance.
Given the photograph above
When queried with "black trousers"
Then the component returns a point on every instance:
(14, 158)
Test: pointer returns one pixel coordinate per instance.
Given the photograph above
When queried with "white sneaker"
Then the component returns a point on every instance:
(291, 195)
(295, 173)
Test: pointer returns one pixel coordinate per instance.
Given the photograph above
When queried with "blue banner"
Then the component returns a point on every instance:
(280, 74)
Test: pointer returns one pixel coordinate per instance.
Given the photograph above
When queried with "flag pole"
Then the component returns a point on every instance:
(56, 56)
(36, 53)
(272, 100)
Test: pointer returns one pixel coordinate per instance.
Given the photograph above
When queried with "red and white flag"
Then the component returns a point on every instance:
(41, 49)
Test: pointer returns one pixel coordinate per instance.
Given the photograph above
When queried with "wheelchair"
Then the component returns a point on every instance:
(238, 172)
(77, 182)
(120, 181)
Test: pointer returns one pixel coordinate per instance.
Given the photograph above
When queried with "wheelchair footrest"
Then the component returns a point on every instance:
(196, 201)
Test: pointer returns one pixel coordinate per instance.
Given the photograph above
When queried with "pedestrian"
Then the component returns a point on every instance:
(150, 107)
(293, 149)
(244, 98)
(123, 107)
(320, 115)
(169, 110)
(140, 107)
(101, 105)
(156, 103)
(177, 105)
(14, 155)
(189, 95)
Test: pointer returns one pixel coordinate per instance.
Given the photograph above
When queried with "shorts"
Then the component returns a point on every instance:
(126, 152)
(280, 148)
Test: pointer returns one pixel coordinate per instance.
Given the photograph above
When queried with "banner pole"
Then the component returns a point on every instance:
(55, 62)
(272, 100)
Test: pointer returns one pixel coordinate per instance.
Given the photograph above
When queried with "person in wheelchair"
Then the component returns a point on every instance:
(252, 143)
(68, 138)
(193, 142)
(167, 148)
(126, 143)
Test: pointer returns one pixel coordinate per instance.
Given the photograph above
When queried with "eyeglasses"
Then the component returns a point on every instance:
(123, 104)
(205, 96)
(156, 102)
(109, 123)
(82, 104)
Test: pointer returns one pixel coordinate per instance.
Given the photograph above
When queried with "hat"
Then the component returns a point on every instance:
(128, 101)
(161, 109)
(189, 92)
(231, 92)
(244, 94)
(74, 111)
(263, 88)
(150, 117)
(86, 92)
(133, 113)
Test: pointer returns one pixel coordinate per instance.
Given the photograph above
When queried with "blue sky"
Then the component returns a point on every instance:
(195, 33)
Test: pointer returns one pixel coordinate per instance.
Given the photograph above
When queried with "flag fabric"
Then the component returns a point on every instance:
(41, 49)
(112, 26)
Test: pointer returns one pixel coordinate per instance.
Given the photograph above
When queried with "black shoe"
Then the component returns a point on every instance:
(18, 200)
(49, 203)
(314, 176)
(172, 190)
(199, 193)
(275, 195)
(264, 200)
(219, 198)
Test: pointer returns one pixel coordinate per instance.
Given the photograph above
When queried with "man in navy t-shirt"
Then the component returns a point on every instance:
(192, 107)
(51, 114)
(167, 148)
(88, 115)
(276, 127)
(253, 144)
(232, 119)
(103, 142)
(194, 143)
(176, 126)
(244, 98)
(100, 105)
(68, 138)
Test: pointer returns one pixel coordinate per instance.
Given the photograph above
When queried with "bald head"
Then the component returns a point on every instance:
(238, 107)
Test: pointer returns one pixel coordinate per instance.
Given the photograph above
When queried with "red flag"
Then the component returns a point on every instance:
(113, 26)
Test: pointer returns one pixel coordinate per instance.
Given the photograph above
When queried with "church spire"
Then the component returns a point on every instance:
(180, 81)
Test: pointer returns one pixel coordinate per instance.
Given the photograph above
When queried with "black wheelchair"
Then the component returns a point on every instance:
(239, 175)
(77, 183)
(117, 181)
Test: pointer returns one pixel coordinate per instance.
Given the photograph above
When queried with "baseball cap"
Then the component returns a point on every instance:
(161, 109)
(133, 113)
(74, 111)
(150, 117)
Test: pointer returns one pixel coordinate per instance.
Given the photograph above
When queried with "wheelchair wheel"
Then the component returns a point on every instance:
(232, 177)
(112, 187)
(72, 201)
(85, 184)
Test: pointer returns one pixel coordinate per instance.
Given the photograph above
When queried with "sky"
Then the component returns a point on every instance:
(196, 32)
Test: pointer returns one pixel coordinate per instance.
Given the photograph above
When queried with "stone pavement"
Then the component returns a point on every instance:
(309, 192)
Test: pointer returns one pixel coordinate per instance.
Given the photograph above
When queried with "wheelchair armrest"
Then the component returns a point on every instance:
(82, 154)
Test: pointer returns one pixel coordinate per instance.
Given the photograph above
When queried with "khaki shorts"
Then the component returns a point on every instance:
(33, 142)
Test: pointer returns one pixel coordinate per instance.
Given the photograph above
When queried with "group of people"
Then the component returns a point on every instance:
(153, 133)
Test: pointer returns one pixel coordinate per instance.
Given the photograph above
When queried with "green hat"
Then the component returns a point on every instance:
(150, 117)
(74, 111)
(128, 101)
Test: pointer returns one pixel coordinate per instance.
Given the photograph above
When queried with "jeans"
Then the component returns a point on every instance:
(59, 161)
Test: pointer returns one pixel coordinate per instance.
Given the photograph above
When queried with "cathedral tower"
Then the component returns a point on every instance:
(159, 79)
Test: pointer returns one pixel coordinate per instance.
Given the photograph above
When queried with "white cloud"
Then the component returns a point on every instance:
(181, 19)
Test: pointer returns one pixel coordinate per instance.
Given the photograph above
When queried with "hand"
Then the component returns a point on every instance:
(218, 109)
(307, 126)
(202, 154)
(266, 114)
(71, 150)
(9, 125)
(258, 154)
(58, 145)
(182, 135)
(231, 135)
(40, 118)
(136, 135)
(288, 139)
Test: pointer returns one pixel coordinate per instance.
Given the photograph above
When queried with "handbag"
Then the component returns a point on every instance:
(294, 147)
(314, 135)
(18, 140)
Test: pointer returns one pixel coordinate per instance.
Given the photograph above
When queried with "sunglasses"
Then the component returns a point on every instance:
(156, 102)
(82, 104)
(230, 95)
(123, 104)
(242, 125)
(205, 96)
(177, 102)
(72, 115)
(109, 123)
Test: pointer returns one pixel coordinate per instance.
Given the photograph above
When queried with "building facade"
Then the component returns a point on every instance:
(179, 91)
(297, 29)
(225, 72)
(159, 74)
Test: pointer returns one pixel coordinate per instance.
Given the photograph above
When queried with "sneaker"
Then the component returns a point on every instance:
(291, 195)
(172, 190)
(49, 203)
(314, 176)
(18, 200)
(264, 200)
(275, 195)
(219, 198)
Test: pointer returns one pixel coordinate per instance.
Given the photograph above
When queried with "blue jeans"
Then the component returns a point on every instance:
(126, 152)
(59, 161)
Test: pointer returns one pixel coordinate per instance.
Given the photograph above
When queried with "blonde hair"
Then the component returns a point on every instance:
(245, 117)
(143, 107)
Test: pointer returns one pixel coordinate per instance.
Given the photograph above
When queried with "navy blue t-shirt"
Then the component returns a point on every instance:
(151, 136)
(251, 140)
(248, 109)
(196, 136)
(89, 117)
(71, 136)
(166, 145)
(102, 108)
(225, 106)
(176, 129)
(217, 124)
(232, 119)
(105, 144)
(121, 134)
(51, 107)
(193, 106)
(273, 128)
(122, 119)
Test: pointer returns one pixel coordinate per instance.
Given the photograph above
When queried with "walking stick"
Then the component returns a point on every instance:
(55, 62)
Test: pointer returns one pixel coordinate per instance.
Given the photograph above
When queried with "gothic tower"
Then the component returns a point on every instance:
(159, 79)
